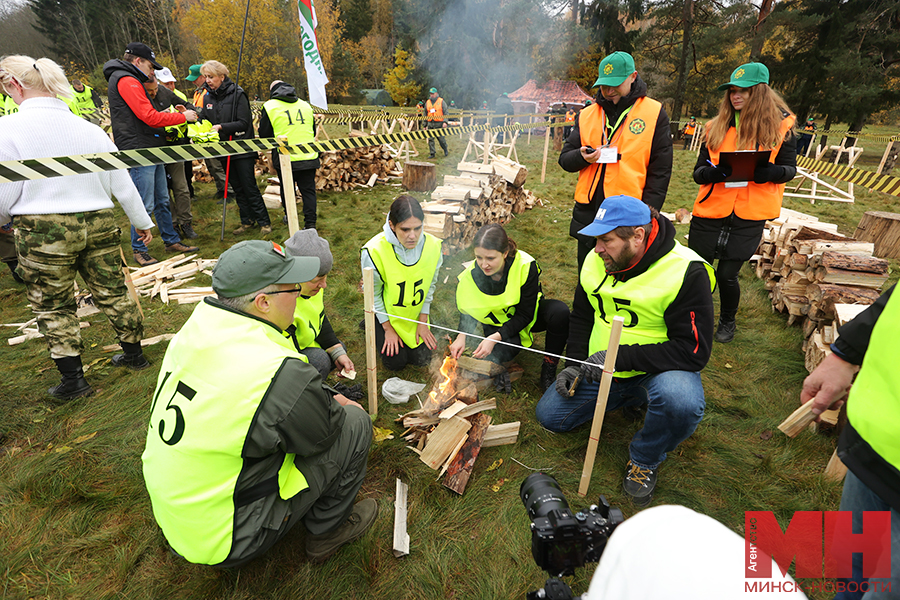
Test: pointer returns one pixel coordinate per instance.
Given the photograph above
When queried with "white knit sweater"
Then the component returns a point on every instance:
(45, 127)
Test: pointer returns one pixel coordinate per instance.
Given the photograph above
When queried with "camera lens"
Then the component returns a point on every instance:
(541, 494)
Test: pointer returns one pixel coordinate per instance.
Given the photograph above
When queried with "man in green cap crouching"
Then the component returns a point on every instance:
(243, 441)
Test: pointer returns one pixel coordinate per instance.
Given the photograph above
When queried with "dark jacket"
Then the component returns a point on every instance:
(286, 93)
(659, 170)
(528, 299)
(129, 132)
(875, 472)
(689, 318)
(229, 107)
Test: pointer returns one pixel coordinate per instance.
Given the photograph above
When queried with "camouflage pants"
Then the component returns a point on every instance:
(52, 249)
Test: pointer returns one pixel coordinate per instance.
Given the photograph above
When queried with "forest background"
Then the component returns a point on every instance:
(834, 60)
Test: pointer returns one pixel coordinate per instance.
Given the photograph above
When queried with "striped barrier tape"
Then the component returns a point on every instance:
(869, 179)
(60, 166)
(832, 132)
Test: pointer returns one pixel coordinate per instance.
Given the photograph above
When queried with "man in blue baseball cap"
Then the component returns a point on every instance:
(663, 290)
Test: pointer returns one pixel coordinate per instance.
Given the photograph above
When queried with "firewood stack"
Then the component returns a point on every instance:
(480, 194)
(345, 169)
(812, 273)
(451, 427)
(166, 278)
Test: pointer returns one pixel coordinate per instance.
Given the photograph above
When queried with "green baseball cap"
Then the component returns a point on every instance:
(432, 91)
(193, 73)
(747, 75)
(614, 69)
(251, 265)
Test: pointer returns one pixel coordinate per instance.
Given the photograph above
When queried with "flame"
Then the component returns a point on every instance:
(448, 370)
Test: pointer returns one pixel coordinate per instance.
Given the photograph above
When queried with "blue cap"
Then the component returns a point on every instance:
(618, 211)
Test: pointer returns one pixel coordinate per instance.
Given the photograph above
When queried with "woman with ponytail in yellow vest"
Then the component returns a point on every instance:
(406, 262)
(729, 216)
(501, 290)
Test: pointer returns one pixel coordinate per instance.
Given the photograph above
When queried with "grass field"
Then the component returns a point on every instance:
(76, 519)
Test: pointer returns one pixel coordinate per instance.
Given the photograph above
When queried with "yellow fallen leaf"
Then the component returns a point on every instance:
(380, 434)
(496, 464)
(84, 438)
(727, 365)
(496, 487)
(39, 420)
(63, 449)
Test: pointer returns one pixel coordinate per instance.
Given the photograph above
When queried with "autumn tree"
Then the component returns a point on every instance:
(399, 83)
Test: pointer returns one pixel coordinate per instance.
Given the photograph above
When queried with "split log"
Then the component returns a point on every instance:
(852, 262)
(460, 468)
(401, 537)
(442, 441)
(481, 367)
(799, 420)
(419, 176)
(882, 228)
(840, 276)
(500, 435)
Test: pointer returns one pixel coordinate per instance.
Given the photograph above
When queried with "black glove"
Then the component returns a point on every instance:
(565, 380)
(711, 174)
(594, 370)
(767, 172)
(502, 382)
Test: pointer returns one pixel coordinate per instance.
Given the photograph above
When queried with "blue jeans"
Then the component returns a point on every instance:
(151, 185)
(857, 497)
(674, 400)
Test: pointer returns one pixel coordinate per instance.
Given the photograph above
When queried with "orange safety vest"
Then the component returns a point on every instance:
(198, 97)
(690, 129)
(716, 201)
(633, 139)
(809, 127)
(570, 116)
(434, 112)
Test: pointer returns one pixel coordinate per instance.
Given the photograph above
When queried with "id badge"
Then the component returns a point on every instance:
(736, 184)
(608, 154)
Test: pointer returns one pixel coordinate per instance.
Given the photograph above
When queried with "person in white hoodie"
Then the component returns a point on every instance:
(406, 262)
(66, 225)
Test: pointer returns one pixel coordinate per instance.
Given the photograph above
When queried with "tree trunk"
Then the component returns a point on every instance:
(759, 37)
(688, 26)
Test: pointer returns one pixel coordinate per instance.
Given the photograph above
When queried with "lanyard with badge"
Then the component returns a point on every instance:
(609, 152)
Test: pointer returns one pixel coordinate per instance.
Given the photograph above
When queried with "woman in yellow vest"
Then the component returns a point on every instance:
(502, 291)
(729, 216)
(406, 262)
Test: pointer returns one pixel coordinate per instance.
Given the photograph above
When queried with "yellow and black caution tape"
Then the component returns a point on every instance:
(43, 168)
(869, 179)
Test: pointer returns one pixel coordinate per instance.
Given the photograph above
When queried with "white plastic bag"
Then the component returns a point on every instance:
(398, 391)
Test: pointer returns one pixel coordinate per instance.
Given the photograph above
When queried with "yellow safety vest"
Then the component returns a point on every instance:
(202, 132)
(216, 372)
(642, 301)
(875, 396)
(497, 310)
(84, 101)
(308, 318)
(405, 287)
(295, 120)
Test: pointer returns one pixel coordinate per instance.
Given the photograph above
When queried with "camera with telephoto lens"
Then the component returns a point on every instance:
(560, 540)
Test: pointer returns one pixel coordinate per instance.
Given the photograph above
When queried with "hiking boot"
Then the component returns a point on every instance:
(242, 229)
(144, 259)
(179, 247)
(187, 232)
(265, 230)
(431, 156)
(725, 331)
(548, 374)
(446, 153)
(73, 384)
(320, 547)
(639, 483)
(353, 392)
(135, 362)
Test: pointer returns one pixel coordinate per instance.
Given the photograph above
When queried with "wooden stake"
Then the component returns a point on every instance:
(372, 375)
(546, 148)
(600, 409)
(287, 187)
(130, 284)
(799, 420)
(401, 538)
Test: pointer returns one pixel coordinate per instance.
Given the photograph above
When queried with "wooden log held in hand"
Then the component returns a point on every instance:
(419, 176)
(600, 409)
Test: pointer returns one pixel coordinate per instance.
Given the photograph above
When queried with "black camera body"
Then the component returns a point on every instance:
(560, 540)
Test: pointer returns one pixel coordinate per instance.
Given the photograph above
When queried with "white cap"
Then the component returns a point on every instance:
(164, 75)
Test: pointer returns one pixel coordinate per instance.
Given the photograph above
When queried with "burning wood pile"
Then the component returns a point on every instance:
(451, 428)
(480, 194)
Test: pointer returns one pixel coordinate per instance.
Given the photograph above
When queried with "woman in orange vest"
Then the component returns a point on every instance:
(729, 216)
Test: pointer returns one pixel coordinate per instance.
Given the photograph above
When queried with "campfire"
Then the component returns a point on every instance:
(450, 428)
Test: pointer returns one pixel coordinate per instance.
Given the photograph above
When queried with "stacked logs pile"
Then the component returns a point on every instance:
(818, 277)
(355, 167)
(452, 427)
(480, 194)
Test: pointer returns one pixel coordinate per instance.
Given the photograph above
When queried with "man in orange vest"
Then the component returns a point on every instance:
(434, 119)
(620, 145)
(570, 119)
(688, 132)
